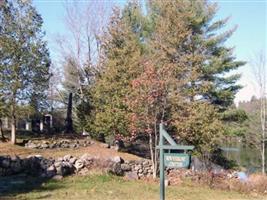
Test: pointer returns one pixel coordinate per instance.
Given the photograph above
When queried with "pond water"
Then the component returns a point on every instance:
(246, 157)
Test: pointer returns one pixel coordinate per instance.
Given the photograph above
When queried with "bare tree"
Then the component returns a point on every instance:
(80, 47)
(85, 22)
(260, 73)
(54, 95)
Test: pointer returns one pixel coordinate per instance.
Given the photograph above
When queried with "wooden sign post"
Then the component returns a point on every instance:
(172, 160)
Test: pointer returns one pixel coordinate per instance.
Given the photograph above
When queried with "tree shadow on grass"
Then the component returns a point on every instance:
(10, 186)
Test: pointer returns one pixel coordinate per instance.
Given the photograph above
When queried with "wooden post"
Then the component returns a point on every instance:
(161, 165)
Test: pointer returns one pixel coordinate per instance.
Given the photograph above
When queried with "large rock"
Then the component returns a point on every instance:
(5, 162)
(5, 171)
(31, 145)
(65, 169)
(67, 157)
(45, 163)
(79, 164)
(117, 159)
(73, 160)
(16, 166)
(51, 171)
(119, 145)
(199, 165)
(44, 146)
(125, 167)
(34, 166)
(115, 168)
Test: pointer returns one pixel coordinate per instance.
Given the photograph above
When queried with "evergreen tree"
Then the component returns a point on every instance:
(122, 51)
(170, 66)
(201, 60)
(24, 57)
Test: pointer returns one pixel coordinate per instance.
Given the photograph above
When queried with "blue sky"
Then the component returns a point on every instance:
(249, 39)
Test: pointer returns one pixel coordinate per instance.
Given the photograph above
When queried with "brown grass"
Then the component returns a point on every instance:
(257, 183)
(94, 150)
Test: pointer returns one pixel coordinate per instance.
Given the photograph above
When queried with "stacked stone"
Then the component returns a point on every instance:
(67, 165)
(138, 169)
(57, 144)
(31, 165)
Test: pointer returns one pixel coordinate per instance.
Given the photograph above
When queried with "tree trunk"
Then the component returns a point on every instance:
(68, 121)
(152, 156)
(155, 149)
(263, 157)
(13, 125)
(263, 124)
(2, 137)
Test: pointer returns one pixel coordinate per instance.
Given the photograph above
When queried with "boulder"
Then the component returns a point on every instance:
(117, 159)
(105, 145)
(73, 160)
(199, 165)
(64, 169)
(65, 145)
(57, 164)
(119, 145)
(73, 146)
(16, 166)
(5, 171)
(79, 164)
(67, 157)
(31, 145)
(125, 167)
(115, 168)
(44, 146)
(45, 163)
(52, 146)
(67, 168)
(51, 171)
(5, 162)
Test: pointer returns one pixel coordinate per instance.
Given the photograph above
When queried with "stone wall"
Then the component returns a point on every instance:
(67, 165)
(52, 144)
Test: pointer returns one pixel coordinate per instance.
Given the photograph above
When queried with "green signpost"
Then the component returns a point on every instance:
(170, 159)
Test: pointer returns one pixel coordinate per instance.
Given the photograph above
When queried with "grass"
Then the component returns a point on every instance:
(107, 187)
(97, 186)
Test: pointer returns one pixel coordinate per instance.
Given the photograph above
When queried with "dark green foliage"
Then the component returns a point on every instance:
(122, 52)
(24, 57)
(182, 44)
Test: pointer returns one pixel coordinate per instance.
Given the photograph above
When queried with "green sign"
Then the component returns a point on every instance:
(172, 160)
(176, 160)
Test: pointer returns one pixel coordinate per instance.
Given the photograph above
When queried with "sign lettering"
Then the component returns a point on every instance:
(176, 160)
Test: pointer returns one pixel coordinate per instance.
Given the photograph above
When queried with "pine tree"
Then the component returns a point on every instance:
(24, 57)
(122, 52)
(205, 57)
